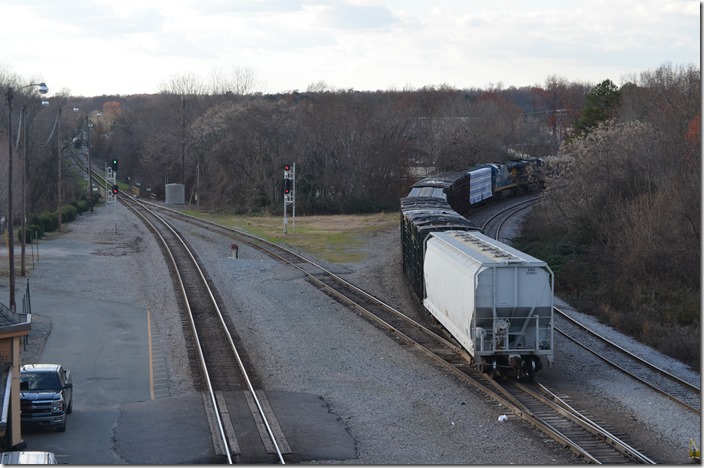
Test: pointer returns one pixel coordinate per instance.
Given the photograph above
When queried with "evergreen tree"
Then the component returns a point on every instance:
(601, 105)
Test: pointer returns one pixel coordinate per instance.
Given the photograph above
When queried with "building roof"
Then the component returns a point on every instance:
(11, 321)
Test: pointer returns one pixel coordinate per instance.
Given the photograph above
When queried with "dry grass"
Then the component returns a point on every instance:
(335, 238)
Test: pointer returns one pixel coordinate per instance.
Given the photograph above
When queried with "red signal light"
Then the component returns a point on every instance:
(115, 189)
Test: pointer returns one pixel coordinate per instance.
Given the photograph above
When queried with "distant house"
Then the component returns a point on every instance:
(14, 330)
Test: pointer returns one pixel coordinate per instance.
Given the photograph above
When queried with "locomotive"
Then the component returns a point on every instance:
(493, 299)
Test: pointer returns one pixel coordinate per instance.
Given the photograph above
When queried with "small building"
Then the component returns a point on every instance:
(175, 194)
(14, 330)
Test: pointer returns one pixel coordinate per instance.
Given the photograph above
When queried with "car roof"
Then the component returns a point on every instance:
(40, 367)
(27, 458)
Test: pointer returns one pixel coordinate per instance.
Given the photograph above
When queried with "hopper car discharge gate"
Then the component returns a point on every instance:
(495, 300)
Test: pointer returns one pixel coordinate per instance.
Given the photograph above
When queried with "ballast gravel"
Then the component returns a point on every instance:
(398, 406)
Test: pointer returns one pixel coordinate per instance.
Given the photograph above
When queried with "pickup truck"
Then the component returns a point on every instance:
(46, 395)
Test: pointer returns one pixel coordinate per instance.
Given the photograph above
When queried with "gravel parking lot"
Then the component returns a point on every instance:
(397, 406)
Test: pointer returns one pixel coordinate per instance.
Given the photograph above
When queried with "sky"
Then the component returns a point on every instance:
(106, 47)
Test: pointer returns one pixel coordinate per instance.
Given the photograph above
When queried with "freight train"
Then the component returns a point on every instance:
(493, 299)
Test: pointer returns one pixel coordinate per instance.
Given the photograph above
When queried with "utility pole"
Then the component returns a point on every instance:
(23, 221)
(183, 139)
(58, 157)
(10, 215)
(90, 171)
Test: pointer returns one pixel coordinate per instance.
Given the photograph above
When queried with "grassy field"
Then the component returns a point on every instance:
(335, 238)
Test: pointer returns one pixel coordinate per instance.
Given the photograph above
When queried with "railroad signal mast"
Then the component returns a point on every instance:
(289, 189)
(111, 188)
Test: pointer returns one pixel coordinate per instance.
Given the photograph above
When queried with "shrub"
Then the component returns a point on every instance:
(34, 231)
(82, 206)
(48, 221)
(68, 213)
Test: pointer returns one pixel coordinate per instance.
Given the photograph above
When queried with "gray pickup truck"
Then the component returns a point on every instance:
(46, 395)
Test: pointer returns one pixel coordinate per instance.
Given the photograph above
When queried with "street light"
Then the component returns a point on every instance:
(43, 89)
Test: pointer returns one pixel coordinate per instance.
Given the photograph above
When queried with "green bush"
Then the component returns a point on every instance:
(33, 232)
(47, 220)
(35, 226)
(82, 206)
(68, 213)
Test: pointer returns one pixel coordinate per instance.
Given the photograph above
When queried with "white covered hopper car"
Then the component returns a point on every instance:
(495, 300)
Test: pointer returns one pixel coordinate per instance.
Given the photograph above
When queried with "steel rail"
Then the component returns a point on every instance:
(467, 373)
(621, 445)
(629, 353)
(512, 210)
(516, 209)
(638, 378)
(231, 343)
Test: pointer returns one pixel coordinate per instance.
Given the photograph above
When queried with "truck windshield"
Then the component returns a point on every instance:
(39, 382)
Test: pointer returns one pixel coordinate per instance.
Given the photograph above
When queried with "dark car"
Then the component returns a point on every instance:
(46, 395)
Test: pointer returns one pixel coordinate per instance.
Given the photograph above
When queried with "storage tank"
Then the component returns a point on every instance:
(175, 194)
(495, 300)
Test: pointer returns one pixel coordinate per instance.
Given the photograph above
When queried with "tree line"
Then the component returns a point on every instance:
(354, 151)
(620, 219)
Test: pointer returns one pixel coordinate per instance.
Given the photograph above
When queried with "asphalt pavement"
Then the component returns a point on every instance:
(88, 316)
(105, 345)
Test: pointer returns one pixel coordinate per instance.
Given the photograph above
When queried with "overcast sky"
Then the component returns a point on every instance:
(95, 47)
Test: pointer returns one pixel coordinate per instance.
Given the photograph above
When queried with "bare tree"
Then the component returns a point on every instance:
(242, 147)
(180, 100)
(562, 102)
(240, 81)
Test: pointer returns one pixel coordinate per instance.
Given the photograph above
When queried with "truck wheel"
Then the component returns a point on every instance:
(69, 410)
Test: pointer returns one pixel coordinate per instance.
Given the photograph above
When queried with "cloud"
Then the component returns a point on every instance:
(360, 17)
(360, 44)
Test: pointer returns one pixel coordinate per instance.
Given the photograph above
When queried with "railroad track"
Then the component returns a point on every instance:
(598, 444)
(569, 428)
(672, 387)
(218, 352)
(493, 225)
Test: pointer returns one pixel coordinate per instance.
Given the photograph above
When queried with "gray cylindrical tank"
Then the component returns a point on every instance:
(175, 194)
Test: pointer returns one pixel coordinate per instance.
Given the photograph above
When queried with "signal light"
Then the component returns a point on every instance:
(287, 168)
(287, 186)
(115, 189)
(114, 165)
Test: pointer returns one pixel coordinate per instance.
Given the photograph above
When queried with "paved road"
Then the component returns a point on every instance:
(106, 345)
